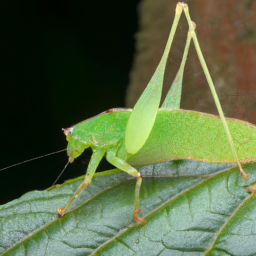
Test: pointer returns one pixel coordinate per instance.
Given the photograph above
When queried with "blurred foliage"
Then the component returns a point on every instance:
(227, 36)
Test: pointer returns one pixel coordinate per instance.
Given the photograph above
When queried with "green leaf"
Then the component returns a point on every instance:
(191, 208)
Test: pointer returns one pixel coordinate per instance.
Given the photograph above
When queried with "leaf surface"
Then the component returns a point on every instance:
(191, 208)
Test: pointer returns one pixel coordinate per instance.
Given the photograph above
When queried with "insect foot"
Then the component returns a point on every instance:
(60, 211)
(245, 176)
(251, 189)
(136, 217)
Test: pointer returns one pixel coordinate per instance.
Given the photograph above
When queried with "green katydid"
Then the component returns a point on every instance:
(149, 134)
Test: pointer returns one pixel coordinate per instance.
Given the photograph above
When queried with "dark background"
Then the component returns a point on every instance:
(62, 62)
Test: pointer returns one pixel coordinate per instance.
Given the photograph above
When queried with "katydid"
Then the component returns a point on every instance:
(147, 134)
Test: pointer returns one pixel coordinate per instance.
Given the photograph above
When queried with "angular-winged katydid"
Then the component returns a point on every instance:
(147, 134)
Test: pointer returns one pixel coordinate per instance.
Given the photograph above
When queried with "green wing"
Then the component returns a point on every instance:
(145, 110)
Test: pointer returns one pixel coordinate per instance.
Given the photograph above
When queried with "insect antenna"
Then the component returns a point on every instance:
(61, 173)
(32, 159)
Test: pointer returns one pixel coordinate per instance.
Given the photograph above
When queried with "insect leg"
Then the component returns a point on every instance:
(192, 27)
(251, 189)
(94, 162)
(122, 165)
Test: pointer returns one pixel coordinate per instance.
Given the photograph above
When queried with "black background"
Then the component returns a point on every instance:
(62, 62)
